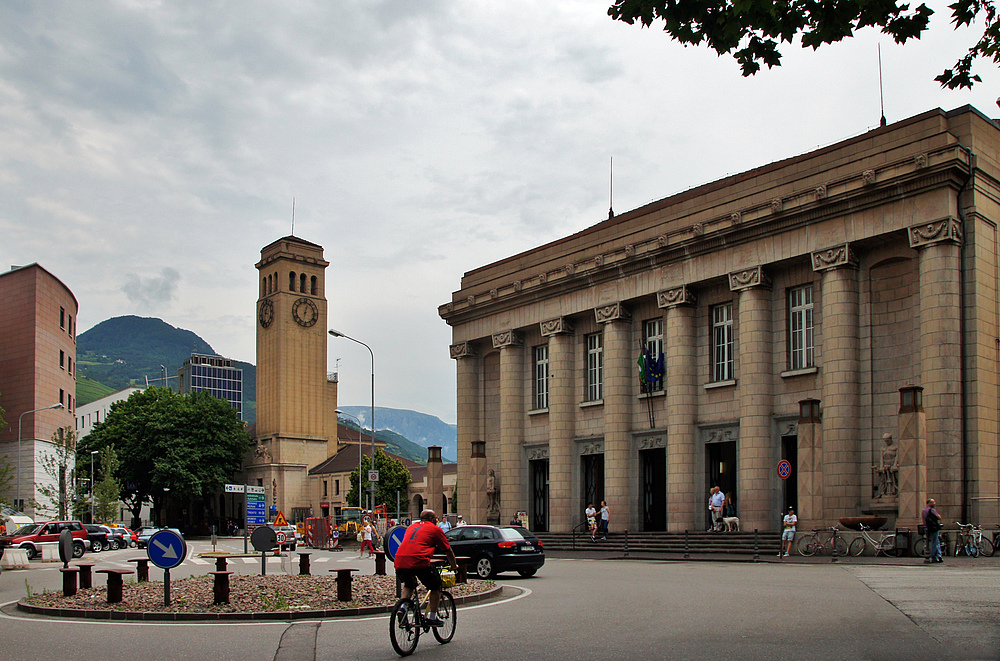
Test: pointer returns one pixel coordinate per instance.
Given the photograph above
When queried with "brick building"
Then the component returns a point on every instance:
(794, 306)
(37, 372)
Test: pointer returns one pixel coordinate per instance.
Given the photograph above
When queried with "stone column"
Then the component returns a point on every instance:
(469, 425)
(618, 371)
(435, 480)
(810, 468)
(841, 453)
(756, 450)
(561, 422)
(940, 266)
(512, 416)
(911, 456)
(682, 406)
(475, 508)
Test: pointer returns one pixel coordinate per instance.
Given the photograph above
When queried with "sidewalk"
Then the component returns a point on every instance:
(596, 553)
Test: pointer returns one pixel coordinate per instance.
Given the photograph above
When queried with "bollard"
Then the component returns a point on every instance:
(220, 587)
(380, 563)
(626, 542)
(833, 540)
(756, 547)
(220, 563)
(687, 547)
(142, 569)
(69, 580)
(86, 578)
(303, 564)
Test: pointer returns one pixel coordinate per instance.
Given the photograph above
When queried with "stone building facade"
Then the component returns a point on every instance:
(794, 306)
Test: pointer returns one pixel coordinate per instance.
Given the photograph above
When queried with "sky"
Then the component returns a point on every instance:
(149, 150)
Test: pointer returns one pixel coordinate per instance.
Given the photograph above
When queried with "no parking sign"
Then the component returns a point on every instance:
(784, 469)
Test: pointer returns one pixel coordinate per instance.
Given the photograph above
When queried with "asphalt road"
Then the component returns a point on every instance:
(583, 608)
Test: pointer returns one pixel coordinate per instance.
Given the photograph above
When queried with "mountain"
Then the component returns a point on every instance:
(126, 351)
(421, 428)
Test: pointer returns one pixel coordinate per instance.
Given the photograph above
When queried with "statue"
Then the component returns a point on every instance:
(492, 494)
(887, 470)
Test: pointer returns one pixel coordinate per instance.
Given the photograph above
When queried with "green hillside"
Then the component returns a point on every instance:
(88, 390)
(394, 443)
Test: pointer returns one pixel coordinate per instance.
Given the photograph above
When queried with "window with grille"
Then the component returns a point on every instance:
(542, 377)
(652, 331)
(722, 342)
(801, 336)
(595, 367)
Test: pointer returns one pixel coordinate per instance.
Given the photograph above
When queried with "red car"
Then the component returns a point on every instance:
(31, 537)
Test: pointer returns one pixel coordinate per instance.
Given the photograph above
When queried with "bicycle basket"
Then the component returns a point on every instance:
(447, 578)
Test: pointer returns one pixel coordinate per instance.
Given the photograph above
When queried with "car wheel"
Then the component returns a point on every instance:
(484, 568)
(132, 545)
(115, 545)
(96, 547)
(78, 549)
(526, 573)
(105, 545)
(31, 551)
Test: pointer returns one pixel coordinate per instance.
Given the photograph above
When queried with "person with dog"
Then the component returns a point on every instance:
(413, 561)
(788, 532)
(717, 504)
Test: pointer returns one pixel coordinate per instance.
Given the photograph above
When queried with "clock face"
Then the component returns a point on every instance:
(305, 313)
(266, 314)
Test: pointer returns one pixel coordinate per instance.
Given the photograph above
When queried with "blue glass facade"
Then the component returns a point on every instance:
(214, 375)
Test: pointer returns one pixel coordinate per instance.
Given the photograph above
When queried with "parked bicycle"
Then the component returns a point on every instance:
(818, 540)
(971, 541)
(886, 542)
(407, 618)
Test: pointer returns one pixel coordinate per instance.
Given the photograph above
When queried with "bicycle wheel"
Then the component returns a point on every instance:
(404, 627)
(971, 549)
(448, 615)
(887, 545)
(857, 546)
(921, 548)
(841, 546)
(806, 545)
(986, 547)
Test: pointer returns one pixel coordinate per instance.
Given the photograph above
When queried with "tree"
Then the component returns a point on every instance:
(7, 478)
(108, 491)
(3, 423)
(187, 444)
(752, 30)
(393, 476)
(61, 490)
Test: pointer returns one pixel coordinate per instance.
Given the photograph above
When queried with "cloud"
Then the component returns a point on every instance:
(153, 292)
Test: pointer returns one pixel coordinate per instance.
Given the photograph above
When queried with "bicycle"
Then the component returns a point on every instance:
(407, 619)
(886, 543)
(972, 542)
(810, 544)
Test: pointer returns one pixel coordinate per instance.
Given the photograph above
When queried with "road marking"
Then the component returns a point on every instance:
(199, 561)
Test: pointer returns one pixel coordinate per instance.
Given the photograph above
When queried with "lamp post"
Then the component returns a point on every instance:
(360, 455)
(336, 333)
(92, 484)
(20, 503)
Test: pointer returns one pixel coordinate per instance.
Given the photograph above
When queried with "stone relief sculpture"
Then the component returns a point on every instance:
(492, 494)
(887, 470)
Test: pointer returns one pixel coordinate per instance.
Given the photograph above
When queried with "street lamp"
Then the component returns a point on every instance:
(20, 505)
(360, 456)
(371, 487)
(92, 482)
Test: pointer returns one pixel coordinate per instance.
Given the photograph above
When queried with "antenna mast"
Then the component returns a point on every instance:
(611, 192)
(881, 100)
(293, 216)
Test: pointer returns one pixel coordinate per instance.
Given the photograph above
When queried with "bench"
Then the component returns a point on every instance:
(142, 569)
(344, 584)
(115, 583)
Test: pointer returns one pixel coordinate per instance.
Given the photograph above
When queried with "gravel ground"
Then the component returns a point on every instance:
(247, 594)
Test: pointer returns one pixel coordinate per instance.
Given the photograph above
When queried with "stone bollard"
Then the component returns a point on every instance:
(380, 563)
(86, 578)
(303, 564)
(220, 563)
(220, 588)
(142, 569)
(69, 580)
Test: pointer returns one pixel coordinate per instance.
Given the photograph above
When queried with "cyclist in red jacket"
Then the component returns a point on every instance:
(413, 560)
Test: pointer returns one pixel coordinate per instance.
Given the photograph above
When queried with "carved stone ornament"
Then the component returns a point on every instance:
(662, 240)
(471, 300)
(670, 298)
(788, 428)
(698, 229)
(599, 261)
(494, 294)
(748, 278)
(820, 192)
(868, 177)
(736, 217)
(555, 326)
(652, 442)
(462, 350)
(836, 257)
(593, 447)
(506, 338)
(260, 454)
(938, 231)
(720, 435)
(920, 160)
(630, 250)
(518, 285)
(612, 312)
(538, 453)
(777, 205)
(543, 278)
(570, 270)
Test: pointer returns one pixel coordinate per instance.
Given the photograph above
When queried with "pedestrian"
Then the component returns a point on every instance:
(788, 532)
(516, 520)
(932, 524)
(413, 561)
(366, 539)
(445, 525)
(716, 504)
(605, 518)
(460, 522)
(591, 514)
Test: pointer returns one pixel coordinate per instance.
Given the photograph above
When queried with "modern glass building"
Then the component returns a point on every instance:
(214, 375)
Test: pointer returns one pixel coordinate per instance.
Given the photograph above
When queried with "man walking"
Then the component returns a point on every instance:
(932, 524)
(717, 502)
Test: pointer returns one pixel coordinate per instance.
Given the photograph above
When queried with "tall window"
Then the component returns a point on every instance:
(652, 331)
(542, 377)
(291, 281)
(801, 337)
(62, 317)
(595, 367)
(722, 342)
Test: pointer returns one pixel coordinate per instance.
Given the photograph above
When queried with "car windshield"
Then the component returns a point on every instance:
(511, 534)
(28, 529)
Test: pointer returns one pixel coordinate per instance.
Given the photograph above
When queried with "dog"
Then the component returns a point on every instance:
(731, 523)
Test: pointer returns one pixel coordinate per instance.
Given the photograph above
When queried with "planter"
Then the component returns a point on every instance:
(854, 522)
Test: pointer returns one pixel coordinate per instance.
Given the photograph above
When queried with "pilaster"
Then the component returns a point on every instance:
(469, 425)
(561, 422)
(617, 409)
(512, 416)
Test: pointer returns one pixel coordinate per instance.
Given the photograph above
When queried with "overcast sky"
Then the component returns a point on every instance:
(149, 150)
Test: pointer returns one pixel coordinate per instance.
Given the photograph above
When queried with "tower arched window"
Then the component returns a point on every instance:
(302, 283)
(313, 286)
(263, 286)
(291, 281)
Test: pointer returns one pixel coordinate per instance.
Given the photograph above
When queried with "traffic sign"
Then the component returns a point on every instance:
(238, 488)
(393, 539)
(784, 469)
(280, 520)
(373, 476)
(166, 549)
(255, 509)
(280, 537)
(264, 539)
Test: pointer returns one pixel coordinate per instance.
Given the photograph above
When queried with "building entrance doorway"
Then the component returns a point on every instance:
(790, 451)
(653, 464)
(592, 469)
(721, 472)
(539, 514)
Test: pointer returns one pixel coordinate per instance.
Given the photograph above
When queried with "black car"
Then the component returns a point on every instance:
(100, 537)
(497, 549)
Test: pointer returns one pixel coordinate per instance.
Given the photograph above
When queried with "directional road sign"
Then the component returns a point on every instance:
(393, 539)
(166, 549)
(255, 509)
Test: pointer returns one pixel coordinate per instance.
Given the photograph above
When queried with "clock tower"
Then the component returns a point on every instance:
(296, 401)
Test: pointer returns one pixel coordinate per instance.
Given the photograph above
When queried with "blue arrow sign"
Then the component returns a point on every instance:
(393, 539)
(166, 549)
